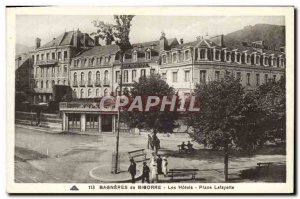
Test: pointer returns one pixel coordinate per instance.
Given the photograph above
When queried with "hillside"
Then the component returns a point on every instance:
(20, 48)
(273, 35)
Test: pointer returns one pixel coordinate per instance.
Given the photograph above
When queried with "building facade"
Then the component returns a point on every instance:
(51, 63)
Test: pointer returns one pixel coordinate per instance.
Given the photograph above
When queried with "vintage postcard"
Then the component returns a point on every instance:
(150, 100)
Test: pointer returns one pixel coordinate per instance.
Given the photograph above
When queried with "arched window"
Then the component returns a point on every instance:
(93, 61)
(82, 78)
(81, 93)
(98, 76)
(47, 84)
(164, 59)
(37, 84)
(217, 55)
(75, 78)
(89, 92)
(186, 55)
(202, 53)
(90, 78)
(97, 92)
(248, 59)
(106, 77)
(53, 83)
(42, 84)
(238, 57)
(75, 93)
(105, 92)
(266, 60)
(257, 60)
(228, 54)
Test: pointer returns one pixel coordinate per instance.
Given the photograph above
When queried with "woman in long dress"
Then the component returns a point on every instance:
(154, 174)
(165, 166)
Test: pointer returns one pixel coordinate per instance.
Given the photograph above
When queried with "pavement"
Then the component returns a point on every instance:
(43, 156)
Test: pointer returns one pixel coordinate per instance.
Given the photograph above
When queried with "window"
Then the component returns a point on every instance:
(217, 75)
(97, 92)
(42, 56)
(248, 79)
(202, 76)
(148, 55)
(133, 75)
(266, 78)
(238, 75)
(58, 82)
(174, 76)
(125, 76)
(257, 80)
(152, 71)
(75, 79)
(217, 55)
(134, 56)
(187, 76)
(238, 57)
(143, 73)
(164, 59)
(90, 78)
(75, 93)
(106, 77)
(65, 70)
(89, 93)
(257, 60)
(53, 83)
(65, 54)
(47, 56)
(117, 76)
(42, 84)
(59, 55)
(81, 93)
(105, 92)
(98, 77)
(82, 78)
(53, 55)
(186, 55)
(228, 56)
(164, 76)
(37, 57)
(174, 57)
(248, 59)
(47, 84)
(266, 61)
(202, 54)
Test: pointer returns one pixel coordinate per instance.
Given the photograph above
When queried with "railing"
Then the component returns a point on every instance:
(75, 84)
(46, 62)
(98, 83)
(106, 82)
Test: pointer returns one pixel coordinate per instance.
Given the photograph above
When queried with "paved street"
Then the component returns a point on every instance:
(49, 157)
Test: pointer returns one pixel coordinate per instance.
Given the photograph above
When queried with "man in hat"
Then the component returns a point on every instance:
(146, 171)
(132, 170)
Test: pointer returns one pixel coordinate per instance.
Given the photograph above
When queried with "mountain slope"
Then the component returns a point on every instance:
(273, 35)
(20, 48)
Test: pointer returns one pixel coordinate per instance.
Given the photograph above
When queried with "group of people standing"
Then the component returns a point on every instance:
(158, 165)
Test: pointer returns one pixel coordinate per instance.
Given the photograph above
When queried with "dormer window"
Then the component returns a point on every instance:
(164, 59)
(238, 57)
(266, 61)
(202, 53)
(174, 57)
(148, 55)
(217, 55)
(187, 55)
(134, 56)
(228, 56)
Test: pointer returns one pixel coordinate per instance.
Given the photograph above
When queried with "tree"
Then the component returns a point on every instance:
(154, 119)
(105, 31)
(228, 118)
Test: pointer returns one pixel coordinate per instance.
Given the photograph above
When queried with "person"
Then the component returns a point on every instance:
(146, 171)
(159, 164)
(165, 166)
(154, 175)
(132, 170)
(190, 147)
(150, 142)
(182, 147)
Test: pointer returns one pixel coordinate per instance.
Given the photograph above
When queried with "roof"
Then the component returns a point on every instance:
(99, 51)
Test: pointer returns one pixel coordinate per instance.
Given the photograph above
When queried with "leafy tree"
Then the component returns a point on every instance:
(154, 119)
(105, 31)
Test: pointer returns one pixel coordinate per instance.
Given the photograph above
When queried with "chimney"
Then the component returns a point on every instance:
(181, 41)
(76, 39)
(163, 43)
(85, 40)
(222, 40)
(37, 42)
(96, 40)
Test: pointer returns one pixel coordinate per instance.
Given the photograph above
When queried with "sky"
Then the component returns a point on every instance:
(144, 28)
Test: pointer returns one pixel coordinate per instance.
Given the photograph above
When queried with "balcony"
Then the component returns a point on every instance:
(106, 82)
(46, 62)
(90, 84)
(42, 90)
(75, 84)
(82, 83)
(97, 83)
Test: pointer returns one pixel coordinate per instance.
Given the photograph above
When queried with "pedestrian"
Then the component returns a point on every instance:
(190, 147)
(154, 174)
(159, 164)
(146, 171)
(165, 166)
(132, 170)
(182, 146)
(152, 159)
(149, 142)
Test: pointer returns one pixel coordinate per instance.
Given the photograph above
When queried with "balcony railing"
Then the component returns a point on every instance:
(98, 83)
(82, 83)
(46, 62)
(75, 84)
(106, 82)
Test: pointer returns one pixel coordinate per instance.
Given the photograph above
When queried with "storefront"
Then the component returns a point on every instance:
(86, 117)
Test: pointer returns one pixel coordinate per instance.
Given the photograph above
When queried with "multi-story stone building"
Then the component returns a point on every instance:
(95, 72)
(51, 62)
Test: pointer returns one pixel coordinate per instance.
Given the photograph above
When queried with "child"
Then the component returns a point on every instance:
(165, 166)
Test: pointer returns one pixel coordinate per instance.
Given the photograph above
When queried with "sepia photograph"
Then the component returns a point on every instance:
(151, 100)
